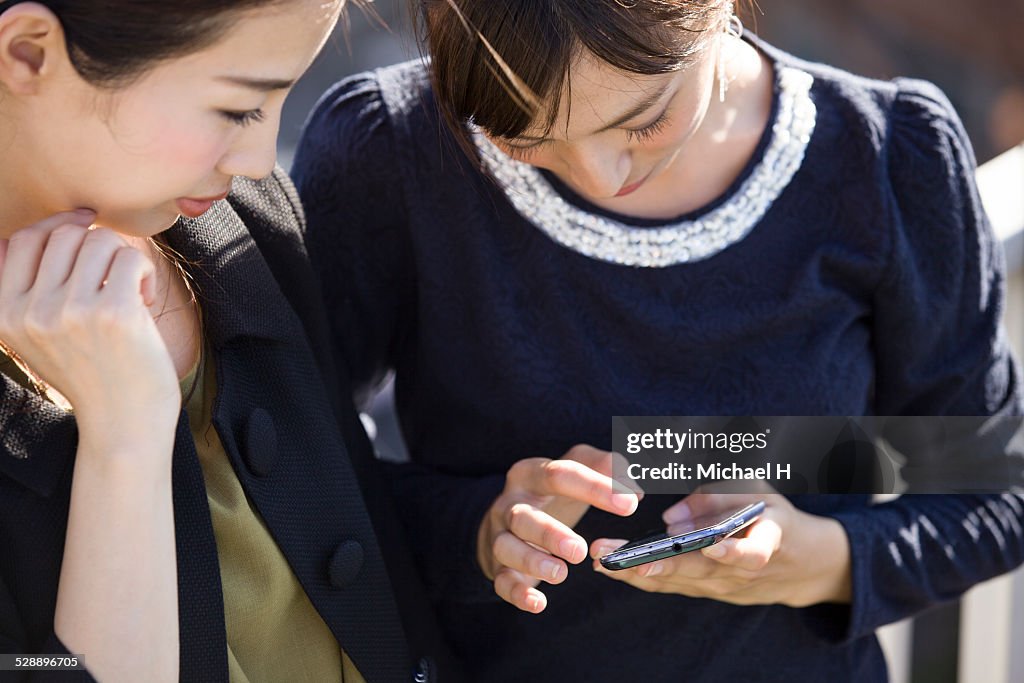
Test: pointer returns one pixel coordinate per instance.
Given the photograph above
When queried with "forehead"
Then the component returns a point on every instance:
(594, 94)
(277, 40)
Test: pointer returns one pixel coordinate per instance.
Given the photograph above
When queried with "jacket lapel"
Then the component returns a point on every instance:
(277, 425)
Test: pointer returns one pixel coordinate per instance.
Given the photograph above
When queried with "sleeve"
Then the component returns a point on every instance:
(12, 639)
(349, 174)
(940, 350)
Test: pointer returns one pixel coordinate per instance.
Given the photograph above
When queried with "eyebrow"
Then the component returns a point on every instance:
(260, 84)
(640, 107)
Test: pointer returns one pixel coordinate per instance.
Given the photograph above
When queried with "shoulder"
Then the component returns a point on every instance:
(366, 136)
(874, 113)
(361, 107)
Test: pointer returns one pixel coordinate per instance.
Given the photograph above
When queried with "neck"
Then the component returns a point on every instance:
(21, 201)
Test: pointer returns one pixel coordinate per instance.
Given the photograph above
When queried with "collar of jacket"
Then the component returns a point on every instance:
(233, 283)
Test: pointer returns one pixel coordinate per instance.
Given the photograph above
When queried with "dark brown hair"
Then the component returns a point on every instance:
(502, 65)
(112, 41)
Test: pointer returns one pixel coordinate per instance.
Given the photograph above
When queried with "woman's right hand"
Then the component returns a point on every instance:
(74, 306)
(526, 535)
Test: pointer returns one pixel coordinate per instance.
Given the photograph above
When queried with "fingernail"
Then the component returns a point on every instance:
(626, 502)
(549, 568)
(676, 514)
(568, 549)
(715, 551)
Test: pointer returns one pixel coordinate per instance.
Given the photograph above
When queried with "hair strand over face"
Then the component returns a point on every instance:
(504, 66)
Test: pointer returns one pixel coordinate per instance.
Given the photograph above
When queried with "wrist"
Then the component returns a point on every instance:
(817, 552)
(831, 545)
(137, 420)
(144, 440)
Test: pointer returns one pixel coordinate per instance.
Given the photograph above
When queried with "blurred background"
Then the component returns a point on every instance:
(974, 51)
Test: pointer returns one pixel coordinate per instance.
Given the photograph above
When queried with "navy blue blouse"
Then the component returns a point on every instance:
(849, 270)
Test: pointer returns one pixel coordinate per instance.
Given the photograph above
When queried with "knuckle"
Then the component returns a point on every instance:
(111, 318)
(22, 237)
(75, 315)
(66, 232)
(130, 256)
(498, 549)
(515, 516)
(514, 474)
(99, 239)
(558, 473)
(707, 571)
(578, 451)
(100, 234)
(551, 538)
(724, 588)
(520, 470)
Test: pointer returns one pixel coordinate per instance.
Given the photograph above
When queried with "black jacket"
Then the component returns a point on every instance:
(279, 422)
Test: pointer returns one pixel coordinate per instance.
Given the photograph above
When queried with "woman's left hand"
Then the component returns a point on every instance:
(788, 556)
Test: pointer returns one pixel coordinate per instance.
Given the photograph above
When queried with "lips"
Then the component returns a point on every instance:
(195, 207)
(629, 189)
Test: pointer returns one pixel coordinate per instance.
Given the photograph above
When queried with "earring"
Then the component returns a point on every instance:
(734, 28)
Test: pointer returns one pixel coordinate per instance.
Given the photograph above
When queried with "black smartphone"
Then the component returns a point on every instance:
(706, 531)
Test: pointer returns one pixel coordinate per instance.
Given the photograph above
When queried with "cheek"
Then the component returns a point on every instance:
(175, 143)
(167, 136)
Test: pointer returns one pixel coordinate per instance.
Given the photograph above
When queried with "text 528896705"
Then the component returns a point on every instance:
(15, 662)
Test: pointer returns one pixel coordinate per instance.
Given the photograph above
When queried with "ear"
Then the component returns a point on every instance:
(32, 47)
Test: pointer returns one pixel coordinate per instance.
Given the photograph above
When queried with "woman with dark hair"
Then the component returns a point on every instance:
(658, 214)
(176, 499)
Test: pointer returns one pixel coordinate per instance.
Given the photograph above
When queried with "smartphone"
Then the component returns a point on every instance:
(707, 531)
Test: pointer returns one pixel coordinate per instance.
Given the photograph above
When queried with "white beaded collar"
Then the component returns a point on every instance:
(607, 239)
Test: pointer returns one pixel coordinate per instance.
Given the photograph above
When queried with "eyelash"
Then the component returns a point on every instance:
(244, 118)
(648, 131)
(524, 153)
(638, 135)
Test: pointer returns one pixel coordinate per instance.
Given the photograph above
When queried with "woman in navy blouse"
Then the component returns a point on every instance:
(658, 215)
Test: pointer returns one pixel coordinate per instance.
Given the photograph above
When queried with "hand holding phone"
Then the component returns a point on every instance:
(707, 531)
(786, 556)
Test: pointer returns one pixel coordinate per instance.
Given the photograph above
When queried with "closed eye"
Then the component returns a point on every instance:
(650, 130)
(524, 151)
(244, 118)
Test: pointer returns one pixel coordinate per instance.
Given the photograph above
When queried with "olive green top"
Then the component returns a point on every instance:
(273, 631)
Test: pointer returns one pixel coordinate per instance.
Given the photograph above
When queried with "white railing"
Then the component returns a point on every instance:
(991, 614)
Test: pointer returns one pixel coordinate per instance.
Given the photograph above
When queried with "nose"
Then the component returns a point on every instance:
(598, 171)
(253, 152)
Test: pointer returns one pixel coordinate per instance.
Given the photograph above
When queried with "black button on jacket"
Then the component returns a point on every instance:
(281, 417)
